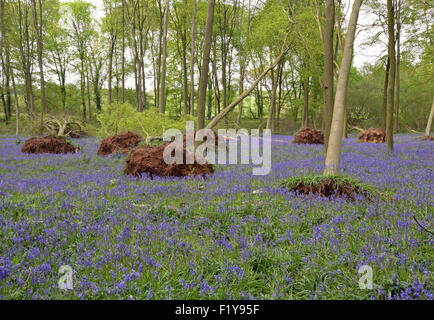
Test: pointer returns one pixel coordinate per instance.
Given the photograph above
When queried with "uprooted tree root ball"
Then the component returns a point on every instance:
(49, 144)
(147, 159)
(330, 186)
(309, 136)
(123, 142)
(372, 135)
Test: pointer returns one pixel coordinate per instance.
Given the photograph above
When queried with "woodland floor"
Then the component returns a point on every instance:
(229, 236)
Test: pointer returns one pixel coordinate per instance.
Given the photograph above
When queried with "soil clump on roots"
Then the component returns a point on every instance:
(372, 135)
(123, 142)
(149, 159)
(309, 136)
(49, 144)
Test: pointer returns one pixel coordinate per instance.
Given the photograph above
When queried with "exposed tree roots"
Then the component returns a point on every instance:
(372, 135)
(49, 144)
(147, 159)
(309, 136)
(123, 142)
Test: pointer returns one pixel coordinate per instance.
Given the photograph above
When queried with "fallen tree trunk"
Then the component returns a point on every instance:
(62, 127)
(242, 96)
(357, 128)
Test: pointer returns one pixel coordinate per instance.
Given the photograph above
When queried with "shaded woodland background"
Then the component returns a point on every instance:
(145, 56)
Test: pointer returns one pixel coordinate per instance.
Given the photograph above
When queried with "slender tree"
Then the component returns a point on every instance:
(305, 119)
(398, 61)
(164, 60)
(429, 123)
(328, 69)
(37, 21)
(203, 80)
(334, 148)
(384, 106)
(392, 71)
(192, 56)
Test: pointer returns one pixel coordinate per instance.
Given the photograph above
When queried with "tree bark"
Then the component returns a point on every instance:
(3, 63)
(203, 81)
(386, 83)
(398, 62)
(123, 53)
(328, 70)
(335, 140)
(428, 125)
(110, 71)
(26, 61)
(305, 121)
(271, 122)
(39, 44)
(164, 60)
(391, 81)
(192, 57)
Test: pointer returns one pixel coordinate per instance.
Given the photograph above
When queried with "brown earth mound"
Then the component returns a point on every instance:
(309, 136)
(147, 159)
(217, 138)
(49, 144)
(372, 135)
(328, 188)
(123, 142)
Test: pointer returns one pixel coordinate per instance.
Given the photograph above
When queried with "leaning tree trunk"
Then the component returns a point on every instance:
(245, 94)
(335, 141)
(203, 81)
(428, 125)
(391, 84)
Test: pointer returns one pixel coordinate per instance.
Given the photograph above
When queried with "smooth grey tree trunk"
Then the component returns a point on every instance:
(428, 125)
(335, 141)
(328, 69)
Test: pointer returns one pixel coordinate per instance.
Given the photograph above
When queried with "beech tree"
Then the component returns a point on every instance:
(203, 81)
(392, 72)
(38, 24)
(333, 153)
(429, 123)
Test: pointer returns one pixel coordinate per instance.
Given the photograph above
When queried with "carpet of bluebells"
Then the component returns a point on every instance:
(229, 236)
